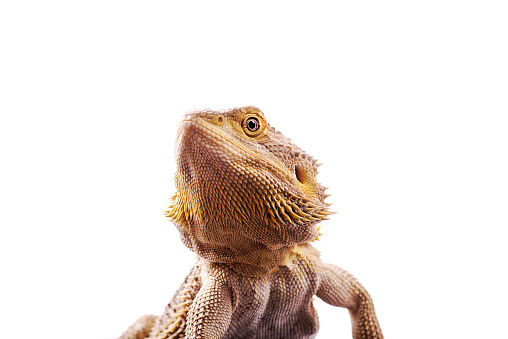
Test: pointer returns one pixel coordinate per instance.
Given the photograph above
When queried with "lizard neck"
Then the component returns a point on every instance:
(245, 256)
(262, 270)
(226, 244)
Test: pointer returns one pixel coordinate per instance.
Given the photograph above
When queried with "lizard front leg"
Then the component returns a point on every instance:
(210, 313)
(171, 324)
(140, 329)
(339, 288)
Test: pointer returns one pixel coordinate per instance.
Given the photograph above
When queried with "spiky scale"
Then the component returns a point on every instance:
(240, 207)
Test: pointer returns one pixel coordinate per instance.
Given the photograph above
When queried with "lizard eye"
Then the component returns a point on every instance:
(252, 124)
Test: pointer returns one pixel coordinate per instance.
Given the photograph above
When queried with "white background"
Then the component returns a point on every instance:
(404, 102)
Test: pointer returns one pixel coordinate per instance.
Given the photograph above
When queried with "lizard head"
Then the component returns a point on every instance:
(242, 187)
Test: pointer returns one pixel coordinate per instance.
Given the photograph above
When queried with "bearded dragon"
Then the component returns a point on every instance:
(248, 204)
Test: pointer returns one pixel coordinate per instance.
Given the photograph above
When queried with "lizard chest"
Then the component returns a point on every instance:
(276, 306)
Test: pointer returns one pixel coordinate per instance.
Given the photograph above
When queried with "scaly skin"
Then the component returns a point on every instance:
(248, 204)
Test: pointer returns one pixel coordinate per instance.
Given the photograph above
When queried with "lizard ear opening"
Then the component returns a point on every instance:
(300, 175)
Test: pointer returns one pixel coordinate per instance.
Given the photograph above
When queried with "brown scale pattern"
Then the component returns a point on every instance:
(173, 322)
(248, 204)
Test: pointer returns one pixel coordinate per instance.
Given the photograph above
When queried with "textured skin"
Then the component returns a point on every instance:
(248, 204)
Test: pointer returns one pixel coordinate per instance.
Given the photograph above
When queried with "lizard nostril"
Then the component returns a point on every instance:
(218, 120)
